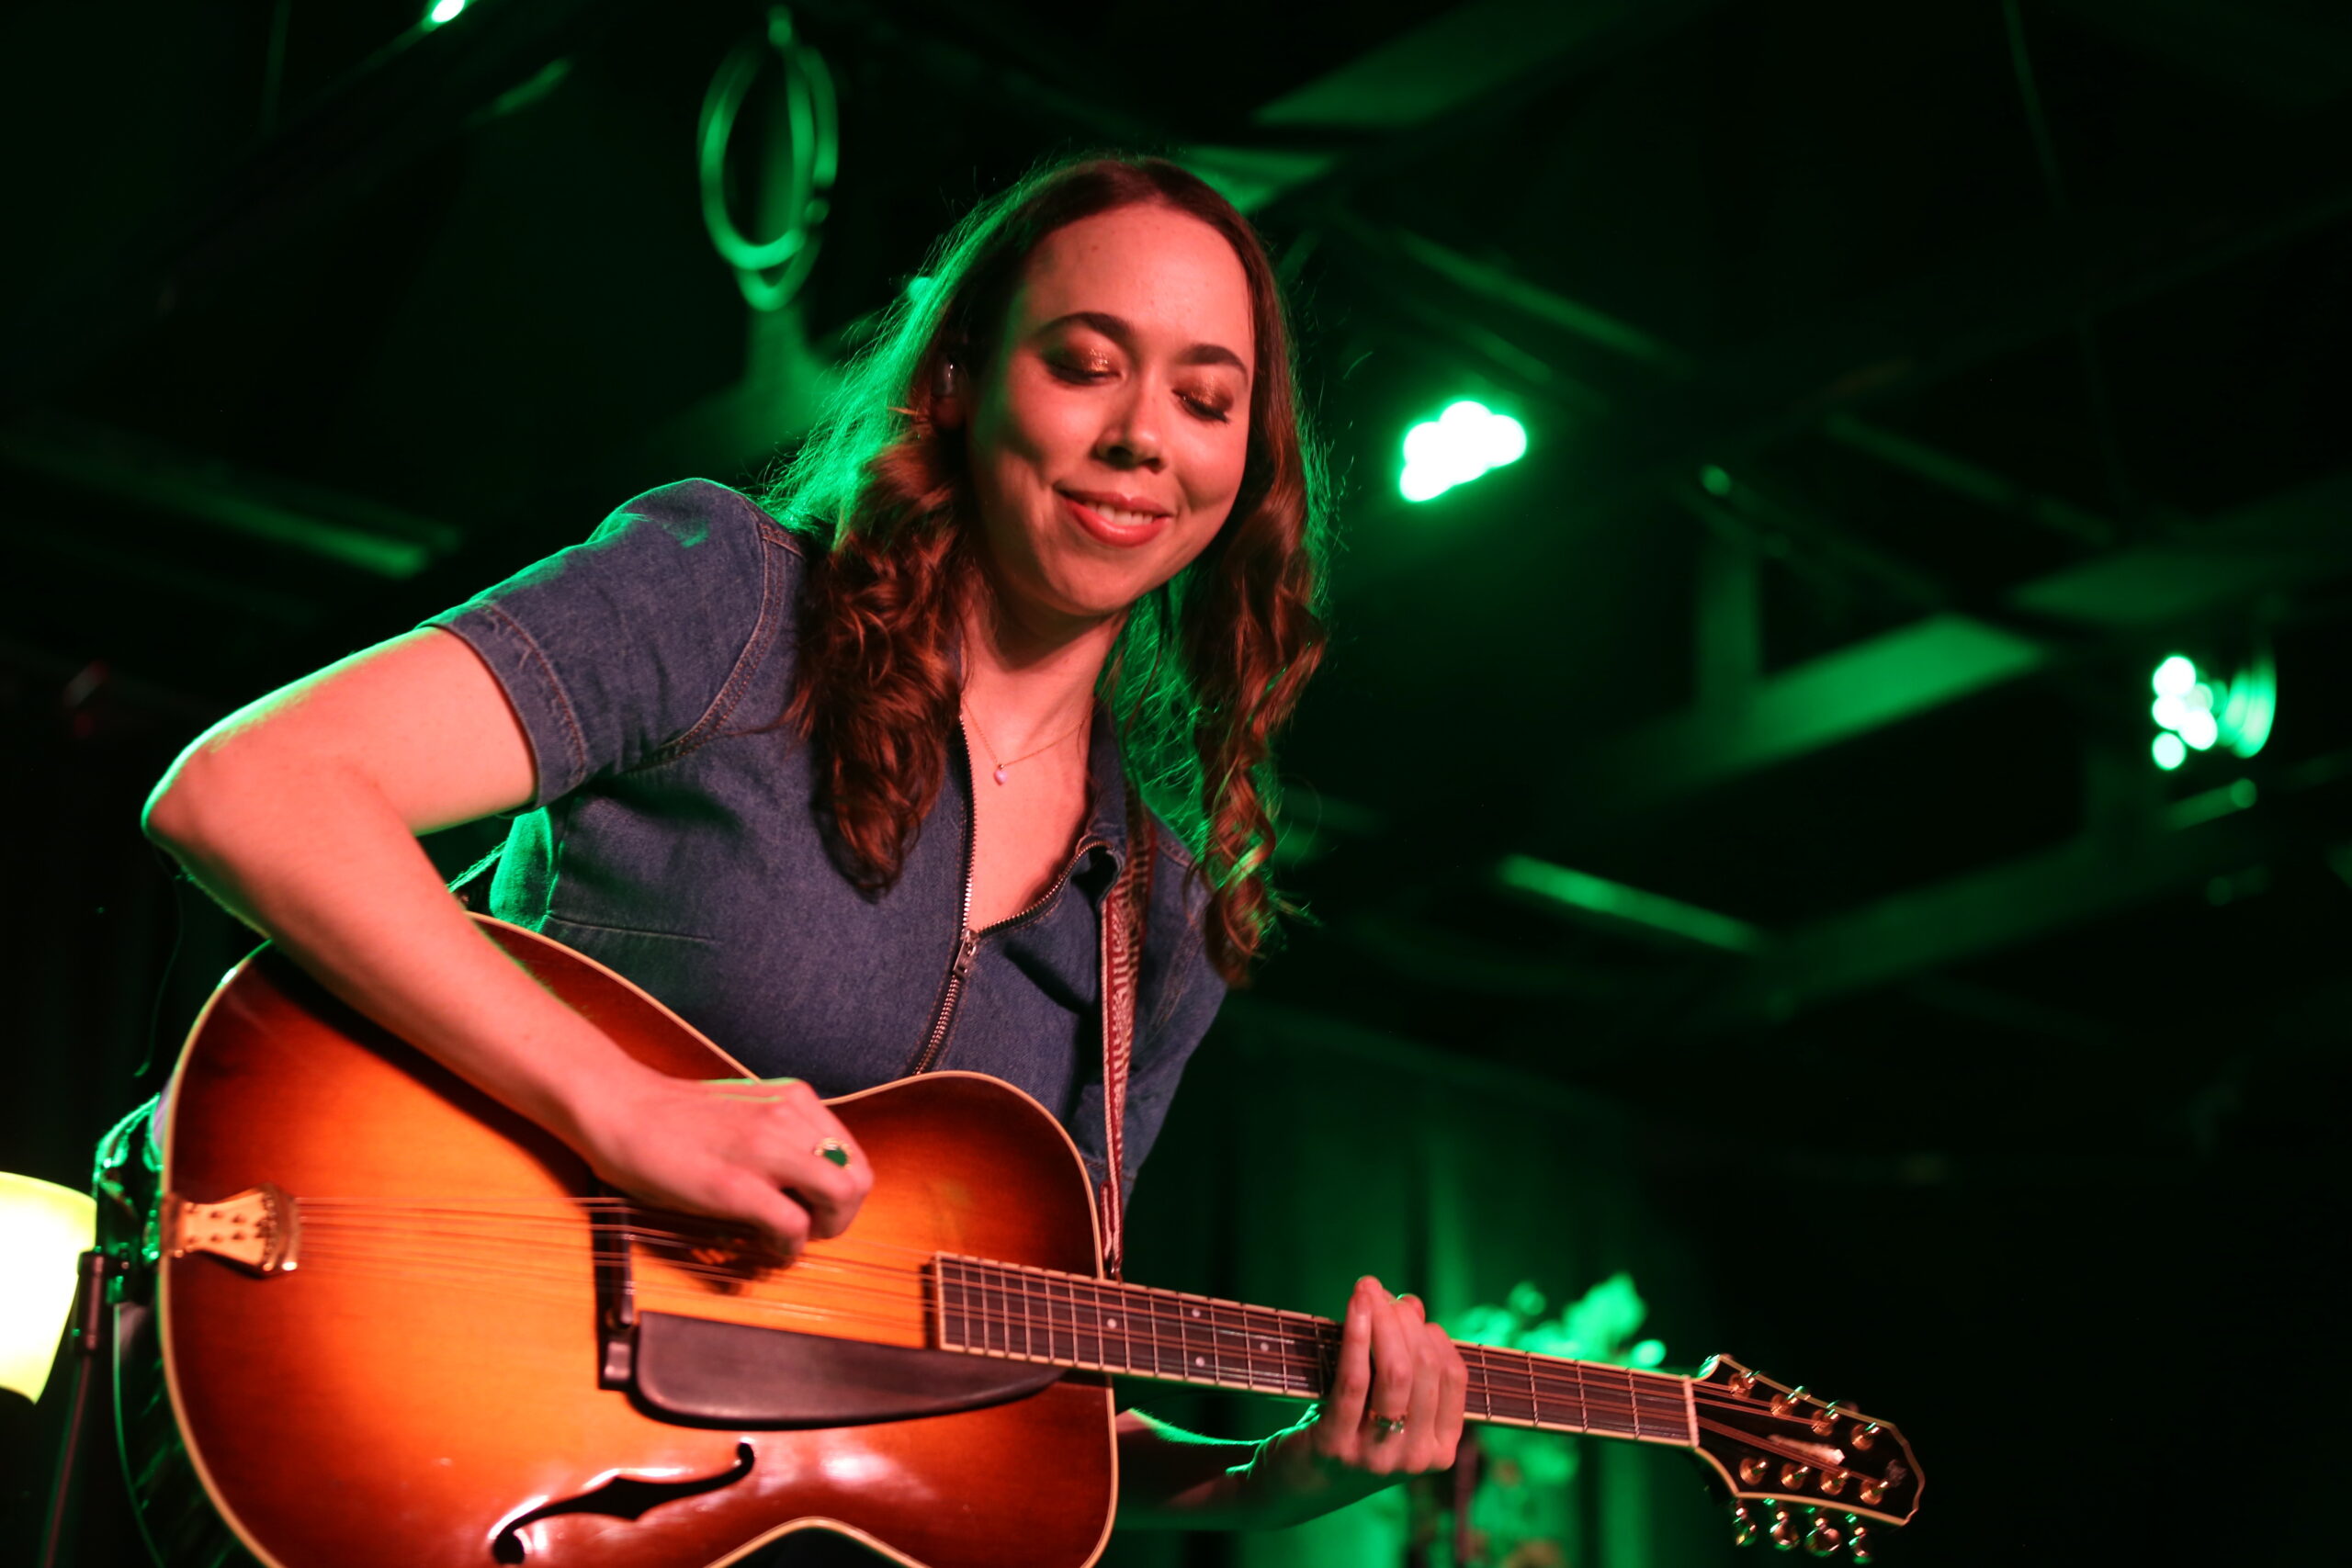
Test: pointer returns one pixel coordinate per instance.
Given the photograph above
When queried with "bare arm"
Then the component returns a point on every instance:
(1392, 1359)
(299, 812)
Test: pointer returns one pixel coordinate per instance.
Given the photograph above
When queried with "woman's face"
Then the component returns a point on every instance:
(1109, 430)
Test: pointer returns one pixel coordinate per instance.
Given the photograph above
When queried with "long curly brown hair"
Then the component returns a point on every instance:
(1206, 668)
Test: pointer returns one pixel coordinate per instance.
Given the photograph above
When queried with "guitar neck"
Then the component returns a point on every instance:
(1070, 1320)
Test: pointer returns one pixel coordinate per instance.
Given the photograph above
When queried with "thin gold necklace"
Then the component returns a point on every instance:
(1002, 763)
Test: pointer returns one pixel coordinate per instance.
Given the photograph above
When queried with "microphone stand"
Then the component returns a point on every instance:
(86, 1334)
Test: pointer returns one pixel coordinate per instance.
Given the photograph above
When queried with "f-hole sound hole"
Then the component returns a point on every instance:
(621, 1497)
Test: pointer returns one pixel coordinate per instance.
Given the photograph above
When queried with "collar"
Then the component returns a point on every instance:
(1106, 785)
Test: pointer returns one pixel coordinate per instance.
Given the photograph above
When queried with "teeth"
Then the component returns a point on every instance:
(1121, 516)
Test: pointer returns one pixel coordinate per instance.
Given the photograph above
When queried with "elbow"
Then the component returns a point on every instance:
(185, 804)
(169, 817)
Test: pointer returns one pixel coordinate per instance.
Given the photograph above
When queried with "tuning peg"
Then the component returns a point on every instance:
(1743, 1525)
(1823, 1538)
(1786, 1531)
(1858, 1542)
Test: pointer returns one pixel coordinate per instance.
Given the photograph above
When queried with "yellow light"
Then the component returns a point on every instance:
(45, 1230)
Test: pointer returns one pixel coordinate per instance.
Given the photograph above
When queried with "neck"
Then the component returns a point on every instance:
(1072, 1321)
(1027, 683)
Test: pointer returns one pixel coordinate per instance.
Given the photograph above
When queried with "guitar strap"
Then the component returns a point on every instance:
(1125, 912)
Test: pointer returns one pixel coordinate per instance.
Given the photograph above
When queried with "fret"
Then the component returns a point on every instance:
(1633, 1397)
(1069, 1305)
(1077, 1339)
(951, 1336)
(1534, 1397)
(990, 1313)
(1486, 1384)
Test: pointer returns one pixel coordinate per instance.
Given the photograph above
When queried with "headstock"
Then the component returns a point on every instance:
(1802, 1469)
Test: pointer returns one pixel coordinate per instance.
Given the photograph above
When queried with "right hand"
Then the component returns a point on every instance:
(739, 1149)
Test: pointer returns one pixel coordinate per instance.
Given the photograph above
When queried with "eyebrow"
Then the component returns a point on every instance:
(1119, 330)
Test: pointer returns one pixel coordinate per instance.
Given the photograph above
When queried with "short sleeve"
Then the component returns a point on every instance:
(622, 647)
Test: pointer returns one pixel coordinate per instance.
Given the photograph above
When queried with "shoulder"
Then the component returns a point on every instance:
(692, 513)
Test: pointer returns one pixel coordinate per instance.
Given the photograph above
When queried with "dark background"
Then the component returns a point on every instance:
(1902, 383)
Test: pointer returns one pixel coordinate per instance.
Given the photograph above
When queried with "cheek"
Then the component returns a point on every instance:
(1213, 476)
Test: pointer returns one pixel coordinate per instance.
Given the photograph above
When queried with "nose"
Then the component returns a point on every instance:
(1130, 437)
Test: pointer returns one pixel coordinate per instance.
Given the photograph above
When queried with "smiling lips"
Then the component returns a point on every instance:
(1114, 519)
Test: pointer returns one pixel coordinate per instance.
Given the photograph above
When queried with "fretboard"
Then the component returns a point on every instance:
(1070, 1320)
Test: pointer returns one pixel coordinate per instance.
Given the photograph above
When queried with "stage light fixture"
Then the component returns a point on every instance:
(1465, 441)
(45, 1230)
(2195, 710)
(443, 11)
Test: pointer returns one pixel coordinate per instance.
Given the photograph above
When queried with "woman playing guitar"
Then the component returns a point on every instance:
(843, 779)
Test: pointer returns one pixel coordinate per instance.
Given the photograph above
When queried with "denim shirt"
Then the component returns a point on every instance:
(677, 835)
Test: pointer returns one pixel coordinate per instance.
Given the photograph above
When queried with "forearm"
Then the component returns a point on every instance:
(315, 858)
(1171, 1479)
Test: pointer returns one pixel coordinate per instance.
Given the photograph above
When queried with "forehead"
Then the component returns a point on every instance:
(1171, 278)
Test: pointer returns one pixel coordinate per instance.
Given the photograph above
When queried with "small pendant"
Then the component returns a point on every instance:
(999, 773)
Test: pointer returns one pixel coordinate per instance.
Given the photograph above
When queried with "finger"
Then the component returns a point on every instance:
(1422, 1422)
(1454, 1387)
(843, 1153)
(810, 1154)
(1352, 1384)
(829, 1194)
(781, 1223)
(1392, 1373)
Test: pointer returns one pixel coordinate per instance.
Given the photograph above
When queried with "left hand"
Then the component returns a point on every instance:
(1395, 1365)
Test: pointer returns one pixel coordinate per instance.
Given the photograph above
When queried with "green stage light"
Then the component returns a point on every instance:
(443, 11)
(2195, 711)
(1466, 440)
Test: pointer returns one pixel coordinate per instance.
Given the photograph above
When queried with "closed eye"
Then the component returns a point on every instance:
(1210, 409)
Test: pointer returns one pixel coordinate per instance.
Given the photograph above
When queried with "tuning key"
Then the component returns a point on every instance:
(1786, 1530)
(1858, 1542)
(1823, 1538)
(1743, 1525)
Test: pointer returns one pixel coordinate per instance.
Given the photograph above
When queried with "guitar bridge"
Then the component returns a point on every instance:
(258, 1230)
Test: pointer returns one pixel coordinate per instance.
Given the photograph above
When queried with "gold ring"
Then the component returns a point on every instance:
(1386, 1426)
(833, 1149)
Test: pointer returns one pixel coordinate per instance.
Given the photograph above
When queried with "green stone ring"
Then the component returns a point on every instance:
(835, 1150)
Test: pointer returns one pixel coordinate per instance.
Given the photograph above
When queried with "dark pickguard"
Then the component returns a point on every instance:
(699, 1373)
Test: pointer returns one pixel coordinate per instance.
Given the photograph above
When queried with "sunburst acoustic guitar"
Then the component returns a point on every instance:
(400, 1326)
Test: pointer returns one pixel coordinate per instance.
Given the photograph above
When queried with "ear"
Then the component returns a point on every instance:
(947, 395)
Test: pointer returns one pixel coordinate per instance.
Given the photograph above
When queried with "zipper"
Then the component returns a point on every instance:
(967, 940)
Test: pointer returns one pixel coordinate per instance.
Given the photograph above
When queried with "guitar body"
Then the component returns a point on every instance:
(422, 1388)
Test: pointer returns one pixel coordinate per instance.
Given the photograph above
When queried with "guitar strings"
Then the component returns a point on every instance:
(1504, 1401)
(1180, 1329)
(1155, 1302)
(1509, 1405)
(715, 1231)
(1615, 1406)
